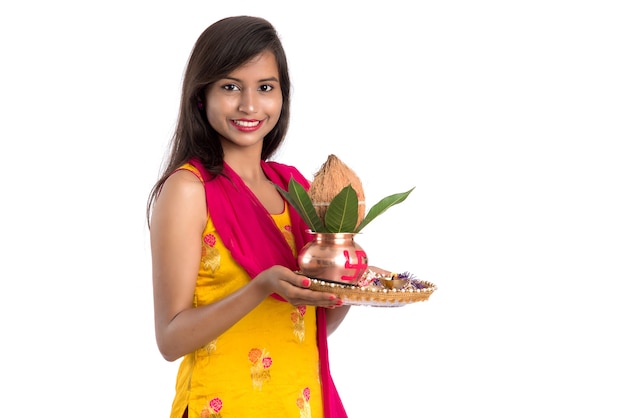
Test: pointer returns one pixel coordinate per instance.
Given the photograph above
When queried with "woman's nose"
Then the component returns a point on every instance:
(248, 102)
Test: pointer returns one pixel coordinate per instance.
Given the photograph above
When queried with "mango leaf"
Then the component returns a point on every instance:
(343, 211)
(382, 206)
(298, 197)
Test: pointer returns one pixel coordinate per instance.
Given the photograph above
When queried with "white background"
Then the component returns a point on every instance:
(508, 117)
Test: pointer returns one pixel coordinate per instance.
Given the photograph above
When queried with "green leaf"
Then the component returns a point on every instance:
(343, 211)
(298, 197)
(382, 206)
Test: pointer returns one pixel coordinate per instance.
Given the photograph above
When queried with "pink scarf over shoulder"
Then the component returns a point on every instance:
(256, 243)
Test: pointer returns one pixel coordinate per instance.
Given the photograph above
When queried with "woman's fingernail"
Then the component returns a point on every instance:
(306, 282)
(339, 302)
(332, 297)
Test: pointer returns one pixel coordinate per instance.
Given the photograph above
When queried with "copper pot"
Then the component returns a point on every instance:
(334, 257)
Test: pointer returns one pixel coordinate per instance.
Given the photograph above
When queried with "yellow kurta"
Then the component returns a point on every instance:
(266, 365)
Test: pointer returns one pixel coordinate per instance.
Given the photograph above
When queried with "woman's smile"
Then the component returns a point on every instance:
(246, 125)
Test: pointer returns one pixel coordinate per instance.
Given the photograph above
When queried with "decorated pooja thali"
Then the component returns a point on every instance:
(379, 291)
(334, 209)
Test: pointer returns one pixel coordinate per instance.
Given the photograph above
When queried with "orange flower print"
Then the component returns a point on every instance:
(303, 403)
(210, 255)
(297, 317)
(212, 409)
(260, 368)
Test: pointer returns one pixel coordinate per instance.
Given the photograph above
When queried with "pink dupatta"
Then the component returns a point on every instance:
(256, 243)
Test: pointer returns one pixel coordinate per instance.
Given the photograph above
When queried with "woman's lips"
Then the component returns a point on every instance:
(246, 125)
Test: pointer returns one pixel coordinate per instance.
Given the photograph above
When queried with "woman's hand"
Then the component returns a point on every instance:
(294, 288)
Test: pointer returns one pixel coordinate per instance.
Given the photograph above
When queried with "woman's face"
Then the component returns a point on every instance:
(245, 106)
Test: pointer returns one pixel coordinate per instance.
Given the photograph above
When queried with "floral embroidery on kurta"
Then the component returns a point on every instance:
(303, 403)
(297, 317)
(211, 347)
(212, 409)
(210, 255)
(260, 369)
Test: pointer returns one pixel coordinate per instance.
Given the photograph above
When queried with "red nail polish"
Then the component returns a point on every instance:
(306, 282)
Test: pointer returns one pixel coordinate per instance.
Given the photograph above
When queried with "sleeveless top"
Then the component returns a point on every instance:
(265, 365)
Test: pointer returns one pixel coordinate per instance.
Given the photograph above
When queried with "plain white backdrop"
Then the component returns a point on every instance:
(509, 118)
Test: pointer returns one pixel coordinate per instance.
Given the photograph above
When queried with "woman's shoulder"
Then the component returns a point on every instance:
(181, 201)
(189, 168)
(184, 183)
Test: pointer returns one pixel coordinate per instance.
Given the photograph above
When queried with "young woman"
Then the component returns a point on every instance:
(225, 243)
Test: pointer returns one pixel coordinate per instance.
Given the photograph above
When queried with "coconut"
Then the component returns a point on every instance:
(331, 178)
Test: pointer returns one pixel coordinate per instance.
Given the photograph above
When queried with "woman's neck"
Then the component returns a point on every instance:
(248, 168)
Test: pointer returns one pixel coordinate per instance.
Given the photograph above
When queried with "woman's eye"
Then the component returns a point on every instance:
(266, 88)
(230, 87)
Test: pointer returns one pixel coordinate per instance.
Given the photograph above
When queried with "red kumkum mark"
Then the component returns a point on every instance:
(359, 267)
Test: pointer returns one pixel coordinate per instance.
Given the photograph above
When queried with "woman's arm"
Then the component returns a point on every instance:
(334, 318)
(178, 221)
